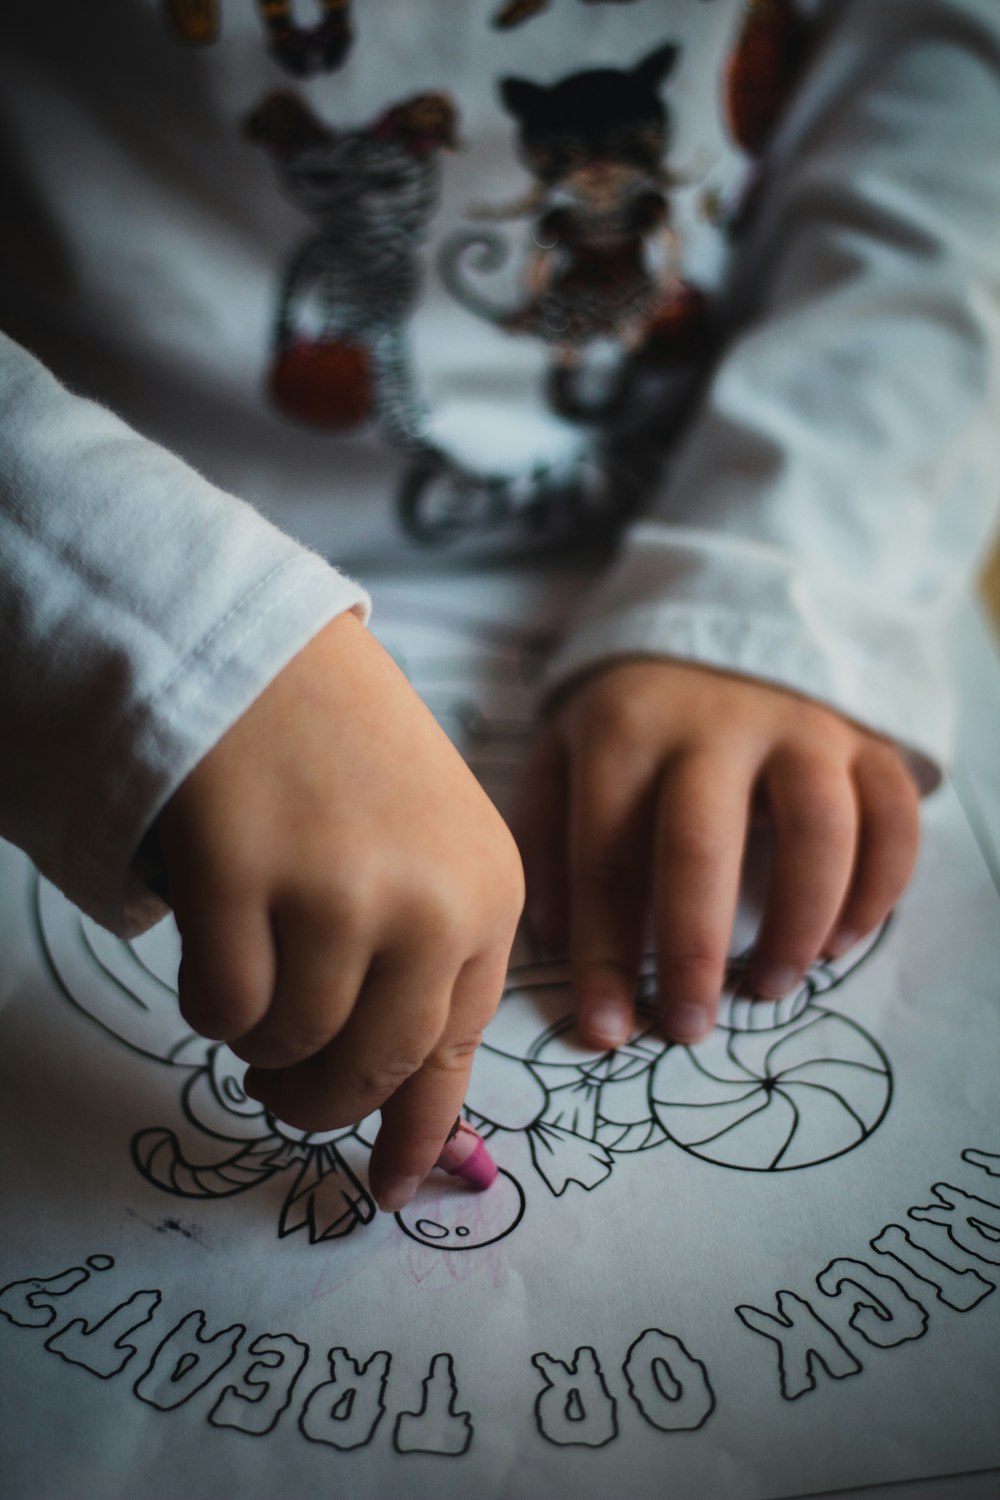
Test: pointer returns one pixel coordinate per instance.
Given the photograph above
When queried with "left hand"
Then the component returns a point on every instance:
(638, 796)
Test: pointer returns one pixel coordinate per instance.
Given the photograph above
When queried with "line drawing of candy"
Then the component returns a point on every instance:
(778, 1085)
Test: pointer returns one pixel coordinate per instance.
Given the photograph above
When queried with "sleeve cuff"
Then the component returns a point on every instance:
(190, 713)
(749, 608)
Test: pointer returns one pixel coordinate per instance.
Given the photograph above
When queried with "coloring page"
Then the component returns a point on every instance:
(765, 1265)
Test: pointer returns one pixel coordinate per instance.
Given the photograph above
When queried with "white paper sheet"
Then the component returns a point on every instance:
(761, 1267)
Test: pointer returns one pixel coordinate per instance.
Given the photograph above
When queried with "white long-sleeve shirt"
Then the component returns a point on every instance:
(142, 611)
(816, 514)
(825, 502)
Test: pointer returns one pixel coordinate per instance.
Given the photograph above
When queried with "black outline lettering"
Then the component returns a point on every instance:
(345, 1408)
(986, 1226)
(438, 1416)
(648, 1391)
(256, 1415)
(186, 1361)
(577, 1407)
(982, 1160)
(53, 1286)
(91, 1346)
(874, 1312)
(823, 1352)
(949, 1283)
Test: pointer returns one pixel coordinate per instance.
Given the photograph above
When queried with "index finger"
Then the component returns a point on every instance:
(418, 1117)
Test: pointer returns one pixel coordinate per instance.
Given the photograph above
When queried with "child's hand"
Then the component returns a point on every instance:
(347, 897)
(638, 796)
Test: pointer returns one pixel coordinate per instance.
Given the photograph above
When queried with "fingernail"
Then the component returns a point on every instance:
(608, 1020)
(773, 983)
(397, 1193)
(842, 941)
(688, 1023)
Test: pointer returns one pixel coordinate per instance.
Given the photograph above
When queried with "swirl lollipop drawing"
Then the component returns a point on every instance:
(777, 1085)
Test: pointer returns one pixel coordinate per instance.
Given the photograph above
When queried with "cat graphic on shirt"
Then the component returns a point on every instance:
(604, 256)
(340, 349)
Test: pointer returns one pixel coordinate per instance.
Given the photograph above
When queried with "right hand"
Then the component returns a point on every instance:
(347, 897)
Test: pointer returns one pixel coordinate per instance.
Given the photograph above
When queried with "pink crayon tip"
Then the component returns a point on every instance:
(479, 1169)
(466, 1156)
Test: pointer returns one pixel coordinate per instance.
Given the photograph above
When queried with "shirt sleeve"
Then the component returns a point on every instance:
(828, 499)
(142, 610)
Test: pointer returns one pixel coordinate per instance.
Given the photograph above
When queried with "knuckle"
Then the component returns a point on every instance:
(824, 817)
(497, 889)
(281, 1049)
(443, 919)
(379, 1078)
(434, 906)
(338, 902)
(691, 969)
(622, 718)
(510, 882)
(693, 841)
(221, 1012)
(497, 923)
(455, 1055)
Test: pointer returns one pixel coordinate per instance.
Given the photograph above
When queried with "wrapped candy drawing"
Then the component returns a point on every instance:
(325, 1196)
(778, 1084)
(578, 1106)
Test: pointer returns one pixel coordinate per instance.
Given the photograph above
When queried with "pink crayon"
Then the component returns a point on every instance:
(466, 1156)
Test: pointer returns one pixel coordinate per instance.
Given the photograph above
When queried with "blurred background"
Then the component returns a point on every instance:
(990, 585)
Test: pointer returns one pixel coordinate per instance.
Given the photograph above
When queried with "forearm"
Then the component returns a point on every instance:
(141, 612)
(842, 468)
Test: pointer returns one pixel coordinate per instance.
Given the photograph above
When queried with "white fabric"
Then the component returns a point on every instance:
(820, 514)
(141, 611)
(845, 463)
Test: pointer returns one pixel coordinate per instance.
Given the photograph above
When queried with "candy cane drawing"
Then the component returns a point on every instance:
(129, 989)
